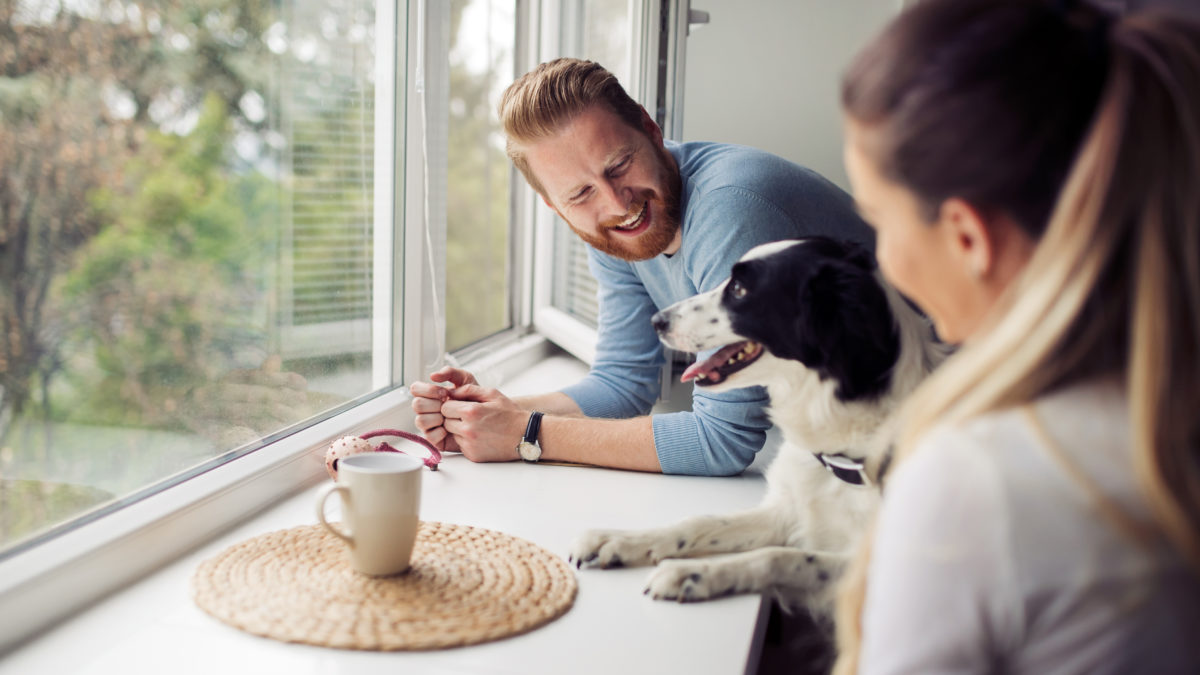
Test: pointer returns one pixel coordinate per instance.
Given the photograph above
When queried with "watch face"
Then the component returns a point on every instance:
(529, 451)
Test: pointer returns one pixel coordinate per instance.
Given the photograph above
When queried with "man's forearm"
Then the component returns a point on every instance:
(487, 427)
(568, 436)
(620, 444)
(554, 403)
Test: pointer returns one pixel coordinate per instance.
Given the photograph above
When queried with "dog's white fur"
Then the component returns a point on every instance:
(797, 540)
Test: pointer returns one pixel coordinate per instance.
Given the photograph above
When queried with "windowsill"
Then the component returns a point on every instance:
(153, 626)
(58, 577)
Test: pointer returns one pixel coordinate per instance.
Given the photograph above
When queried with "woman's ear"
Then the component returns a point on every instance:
(968, 237)
(991, 247)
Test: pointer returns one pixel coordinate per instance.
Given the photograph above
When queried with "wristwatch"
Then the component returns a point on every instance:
(528, 448)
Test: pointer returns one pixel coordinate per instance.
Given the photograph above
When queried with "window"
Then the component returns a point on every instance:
(479, 181)
(187, 232)
(232, 229)
(198, 238)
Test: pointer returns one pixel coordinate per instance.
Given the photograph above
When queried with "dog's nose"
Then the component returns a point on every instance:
(660, 322)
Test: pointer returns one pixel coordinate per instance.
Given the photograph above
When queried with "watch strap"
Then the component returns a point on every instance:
(533, 427)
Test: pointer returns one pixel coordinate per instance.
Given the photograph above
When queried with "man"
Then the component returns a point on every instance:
(662, 222)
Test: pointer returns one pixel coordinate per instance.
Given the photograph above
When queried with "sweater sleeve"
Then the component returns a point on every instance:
(624, 379)
(940, 572)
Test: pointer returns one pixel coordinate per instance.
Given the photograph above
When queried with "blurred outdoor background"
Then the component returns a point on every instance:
(186, 227)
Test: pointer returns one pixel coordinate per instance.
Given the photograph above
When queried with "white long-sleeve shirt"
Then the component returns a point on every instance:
(990, 557)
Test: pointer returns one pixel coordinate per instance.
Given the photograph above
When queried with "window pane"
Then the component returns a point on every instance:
(604, 36)
(185, 237)
(607, 36)
(478, 243)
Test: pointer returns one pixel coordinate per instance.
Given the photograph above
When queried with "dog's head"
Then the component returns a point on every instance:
(817, 302)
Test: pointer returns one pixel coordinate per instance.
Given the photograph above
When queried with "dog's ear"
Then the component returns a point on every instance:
(845, 330)
(859, 255)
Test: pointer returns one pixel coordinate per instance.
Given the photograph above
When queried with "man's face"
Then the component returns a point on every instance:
(617, 187)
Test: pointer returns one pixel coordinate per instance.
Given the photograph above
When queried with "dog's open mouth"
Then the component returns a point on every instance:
(727, 361)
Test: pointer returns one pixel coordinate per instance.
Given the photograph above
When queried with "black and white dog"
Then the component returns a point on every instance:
(837, 349)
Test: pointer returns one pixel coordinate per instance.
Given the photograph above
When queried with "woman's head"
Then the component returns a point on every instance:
(968, 116)
(985, 100)
(1077, 130)
(1082, 134)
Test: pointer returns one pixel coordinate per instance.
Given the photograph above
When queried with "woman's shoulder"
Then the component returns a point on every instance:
(1087, 423)
(1052, 456)
(1059, 472)
(1077, 433)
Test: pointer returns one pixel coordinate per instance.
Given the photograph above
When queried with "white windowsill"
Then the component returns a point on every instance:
(152, 626)
(59, 577)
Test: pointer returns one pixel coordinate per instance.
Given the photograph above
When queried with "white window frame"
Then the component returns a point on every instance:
(45, 583)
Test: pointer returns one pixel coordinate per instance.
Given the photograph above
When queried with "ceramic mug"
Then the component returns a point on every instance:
(381, 503)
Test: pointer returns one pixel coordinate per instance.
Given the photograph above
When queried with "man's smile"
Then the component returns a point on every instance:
(636, 223)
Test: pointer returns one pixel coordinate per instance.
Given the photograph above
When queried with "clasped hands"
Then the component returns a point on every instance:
(456, 414)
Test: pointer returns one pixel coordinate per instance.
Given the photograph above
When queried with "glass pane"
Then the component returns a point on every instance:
(478, 244)
(185, 237)
(606, 37)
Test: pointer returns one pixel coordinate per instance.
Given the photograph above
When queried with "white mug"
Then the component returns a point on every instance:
(381, 504)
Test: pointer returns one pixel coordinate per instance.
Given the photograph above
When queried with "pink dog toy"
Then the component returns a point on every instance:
(357, 445)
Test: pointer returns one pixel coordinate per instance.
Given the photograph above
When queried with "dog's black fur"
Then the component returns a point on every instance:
(819, 304)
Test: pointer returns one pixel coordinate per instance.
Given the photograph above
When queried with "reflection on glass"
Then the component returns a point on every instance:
(482, 35)
(185, 237)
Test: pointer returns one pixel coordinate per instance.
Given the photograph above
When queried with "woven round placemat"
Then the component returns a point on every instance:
(466, 585)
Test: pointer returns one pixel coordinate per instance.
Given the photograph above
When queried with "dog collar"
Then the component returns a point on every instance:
(845, 469)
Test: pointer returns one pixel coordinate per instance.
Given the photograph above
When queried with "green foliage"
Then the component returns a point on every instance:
(26, 506)
(173, 279)
(478, 211)
(66, 159)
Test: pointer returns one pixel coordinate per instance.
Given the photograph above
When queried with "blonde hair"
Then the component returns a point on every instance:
(1114, 285)
(542, 101)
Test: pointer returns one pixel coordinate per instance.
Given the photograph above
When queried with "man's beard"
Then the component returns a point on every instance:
(664, 223)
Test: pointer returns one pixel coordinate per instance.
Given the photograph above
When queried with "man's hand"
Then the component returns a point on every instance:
(485, 424)
(428, 398)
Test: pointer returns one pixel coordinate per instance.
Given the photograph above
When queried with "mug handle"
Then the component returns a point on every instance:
(325, 492)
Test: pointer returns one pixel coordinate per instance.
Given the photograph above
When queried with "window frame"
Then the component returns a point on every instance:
(46, 582)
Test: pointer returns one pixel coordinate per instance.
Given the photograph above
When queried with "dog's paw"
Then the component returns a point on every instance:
(685, 581)
(612, 548)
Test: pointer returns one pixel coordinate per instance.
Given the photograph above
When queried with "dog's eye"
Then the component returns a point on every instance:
(737, 289)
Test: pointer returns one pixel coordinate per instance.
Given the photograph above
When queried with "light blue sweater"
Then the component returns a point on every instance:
(733, 199)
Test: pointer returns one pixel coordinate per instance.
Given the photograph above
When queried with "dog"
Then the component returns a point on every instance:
(838, 349)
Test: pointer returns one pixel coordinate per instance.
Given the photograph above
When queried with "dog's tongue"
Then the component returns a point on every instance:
(709, 366)
(691, 372)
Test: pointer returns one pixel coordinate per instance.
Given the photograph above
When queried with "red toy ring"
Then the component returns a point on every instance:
(356, 445)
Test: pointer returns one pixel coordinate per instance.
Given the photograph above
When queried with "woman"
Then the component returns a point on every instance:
(1032, 169)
